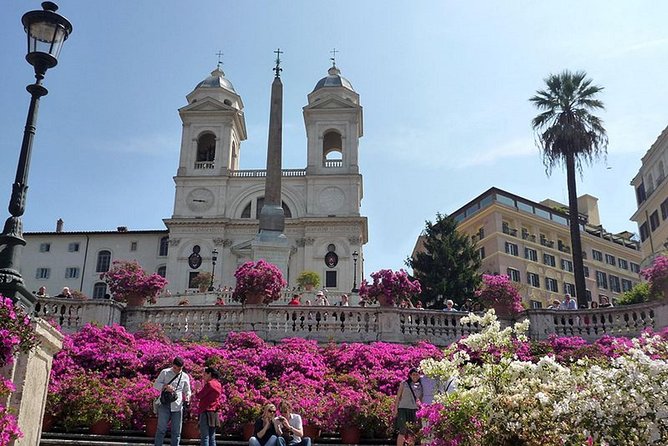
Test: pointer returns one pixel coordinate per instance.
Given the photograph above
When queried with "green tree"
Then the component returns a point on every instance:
(448, 265)
(569, 134)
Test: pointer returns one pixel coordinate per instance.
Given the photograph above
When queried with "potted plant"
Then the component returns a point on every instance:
(389, 287)
(202, 281)
(308, 280)
(258, 283)
(498, 292)
(128, 282)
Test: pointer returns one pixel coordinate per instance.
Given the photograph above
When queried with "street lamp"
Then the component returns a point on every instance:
(355, 256)
(214, 257)
(46, 31)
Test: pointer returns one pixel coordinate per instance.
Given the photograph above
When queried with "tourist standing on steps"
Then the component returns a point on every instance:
(172, 379)
(208, 406)
(265, 432)
(406, 405)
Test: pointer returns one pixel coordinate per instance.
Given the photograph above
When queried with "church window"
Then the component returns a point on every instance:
(259, 202)
(206, 147)
(162, 271)
(103, 261)
(99, 290)
(164, 246)
(247, 211)
(332, 149)
(331, 247)
(330, 279)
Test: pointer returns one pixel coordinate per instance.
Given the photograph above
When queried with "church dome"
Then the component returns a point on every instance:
(334, 79)
(217, 79)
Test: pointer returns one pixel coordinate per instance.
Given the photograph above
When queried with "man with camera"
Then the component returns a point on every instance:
(174, 386)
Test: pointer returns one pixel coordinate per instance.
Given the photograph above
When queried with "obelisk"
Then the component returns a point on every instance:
(271, 243)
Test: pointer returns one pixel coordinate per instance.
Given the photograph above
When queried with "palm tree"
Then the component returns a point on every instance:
(568, 133)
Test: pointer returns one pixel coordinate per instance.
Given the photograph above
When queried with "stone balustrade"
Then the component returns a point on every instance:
(344, 324)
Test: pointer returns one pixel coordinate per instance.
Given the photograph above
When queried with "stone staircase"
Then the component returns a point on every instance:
(139, 438)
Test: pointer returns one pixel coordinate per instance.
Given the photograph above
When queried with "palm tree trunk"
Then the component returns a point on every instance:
(574, 221)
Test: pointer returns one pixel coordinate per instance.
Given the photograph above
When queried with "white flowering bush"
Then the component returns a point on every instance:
(511, 391)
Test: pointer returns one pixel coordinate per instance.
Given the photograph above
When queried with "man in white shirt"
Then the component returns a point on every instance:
(172, 379)
(569, 303)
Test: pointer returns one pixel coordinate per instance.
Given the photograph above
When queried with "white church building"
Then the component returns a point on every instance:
(216, 205)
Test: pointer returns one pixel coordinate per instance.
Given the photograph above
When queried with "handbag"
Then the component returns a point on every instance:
(167, 397)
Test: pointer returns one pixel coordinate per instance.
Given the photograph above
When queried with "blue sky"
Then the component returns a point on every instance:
(444, 86)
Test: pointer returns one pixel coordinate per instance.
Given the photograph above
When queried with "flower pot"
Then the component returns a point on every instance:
(247, 431)
(48, 422)
(350, 435)
(100, 427)
(136, 300)
(254, 298)
(190, 429)
(151, 426)
(312, 432)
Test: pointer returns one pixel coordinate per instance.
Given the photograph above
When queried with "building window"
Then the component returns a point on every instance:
(664, 210)
(533, 280)
(43, 273)
(73, 247)
(330, 279)
(71, 272)
(597, 255)
(531, 254)
(191, 279)
(640, 193)
(133, 246)
(103, 261)
(610, 260)
(535, 305)
(163, 250)
(626, 285)
(635, 267)
(44, 247)
(601, 279)
(99, 290)
(549, 259)
(567, 265)
(654, 220)
(206, 147)
(162, 271)
(551, 284)
(481, 252)
(586, 271)
(614, 284)
(511, 248)
(569, 288)
(644, 232)
(481, 232)
(513, 274)
(623, 264)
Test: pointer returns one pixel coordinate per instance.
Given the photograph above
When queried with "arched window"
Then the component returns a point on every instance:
(99, 290)
(259, 202)
(162, 271)
(164, 246)
(103, 261)
(332, 149)
(206, 147)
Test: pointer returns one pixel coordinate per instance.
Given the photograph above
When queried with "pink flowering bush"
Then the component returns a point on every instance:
(16, 335)
(259, 277)
(657, 276)
(389, 286)
(127, 278)
(498, 292)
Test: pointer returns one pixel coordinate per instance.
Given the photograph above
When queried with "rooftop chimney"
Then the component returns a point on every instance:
(59, 225)
(122, 229)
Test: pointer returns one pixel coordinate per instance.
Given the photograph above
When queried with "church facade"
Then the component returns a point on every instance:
(217, 205)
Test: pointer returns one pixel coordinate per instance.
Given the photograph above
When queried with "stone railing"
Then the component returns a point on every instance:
(345, 324)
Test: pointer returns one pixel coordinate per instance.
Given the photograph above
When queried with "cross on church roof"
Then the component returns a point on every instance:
(220, 58)
(278, 68)
(333, 58)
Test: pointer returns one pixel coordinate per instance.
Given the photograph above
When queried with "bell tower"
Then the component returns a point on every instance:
(333, 120)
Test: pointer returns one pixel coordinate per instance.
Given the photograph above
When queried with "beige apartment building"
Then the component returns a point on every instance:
(652, 197)
(530, 242)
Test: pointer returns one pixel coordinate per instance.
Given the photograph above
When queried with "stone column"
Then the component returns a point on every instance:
(30, 374)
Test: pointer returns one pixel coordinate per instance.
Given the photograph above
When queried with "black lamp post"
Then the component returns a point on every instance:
(47, 31)
(355, 256)
(214, 257)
